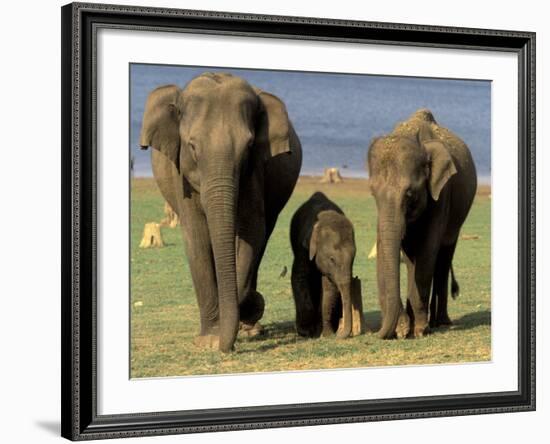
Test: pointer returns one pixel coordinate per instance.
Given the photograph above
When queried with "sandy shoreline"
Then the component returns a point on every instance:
(349, 185)
(360, 184)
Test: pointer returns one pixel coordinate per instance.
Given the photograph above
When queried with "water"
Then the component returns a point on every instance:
(337, 115)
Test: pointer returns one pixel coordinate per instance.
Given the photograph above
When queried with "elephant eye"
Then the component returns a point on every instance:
(411, 196)
(331, 258)
(250, 141)
(410, 199)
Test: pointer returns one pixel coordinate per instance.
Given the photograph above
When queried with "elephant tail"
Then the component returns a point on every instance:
(455, 289)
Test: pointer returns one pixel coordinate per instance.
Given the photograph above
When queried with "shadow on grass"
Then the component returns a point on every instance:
(279, 334)
(372, 320)
(466, 322)
(472, 320)
(280, 329)
(276, 335)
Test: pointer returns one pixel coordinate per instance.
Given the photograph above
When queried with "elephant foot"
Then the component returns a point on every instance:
(327, 332)
(252, 308)
(442, 321)
(341, 335)
(421, 330)
(340, 332)
(307, 331)
(211, 342)
(403, 326)
(251, 330)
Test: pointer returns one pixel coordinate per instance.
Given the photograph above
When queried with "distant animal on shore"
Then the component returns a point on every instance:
(323, 243)
(424, 180)
(226, 159)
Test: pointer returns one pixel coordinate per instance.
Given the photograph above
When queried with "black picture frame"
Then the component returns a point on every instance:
(80, 420)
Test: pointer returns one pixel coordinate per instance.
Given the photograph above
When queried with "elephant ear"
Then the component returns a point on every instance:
(160, 126)
(369, 154)
(441, 164)
(273, 125)
(313, 241)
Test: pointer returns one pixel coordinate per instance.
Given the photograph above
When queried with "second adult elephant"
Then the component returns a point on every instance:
(226, 158)
(424, 181)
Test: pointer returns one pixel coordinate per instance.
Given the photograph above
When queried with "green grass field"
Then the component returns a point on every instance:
(164, 312)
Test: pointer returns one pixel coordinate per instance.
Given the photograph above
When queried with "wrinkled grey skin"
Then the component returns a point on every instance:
(226, 158)
(424, 181)
(323, 243)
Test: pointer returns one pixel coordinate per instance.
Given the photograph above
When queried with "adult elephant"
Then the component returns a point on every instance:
(226, 158)
(424, 181)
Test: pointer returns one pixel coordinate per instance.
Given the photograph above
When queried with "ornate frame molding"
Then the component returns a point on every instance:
(79, 411)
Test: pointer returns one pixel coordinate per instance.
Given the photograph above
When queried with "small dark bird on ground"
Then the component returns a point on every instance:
(283, 273)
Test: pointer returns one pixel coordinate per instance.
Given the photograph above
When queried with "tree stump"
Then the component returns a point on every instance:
(151, 236)
(332, 175)
(171, 219)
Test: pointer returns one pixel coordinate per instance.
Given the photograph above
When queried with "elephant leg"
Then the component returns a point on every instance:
(438, 309)
(417, 306)
(201, 263)
(305, 284)
(402, 328)
(252, 307)
(253, 298)
(251, 240)
(411, 290)
(420, 273)
(251, 302)
(329, 298)
(251, 310)
(433, 306)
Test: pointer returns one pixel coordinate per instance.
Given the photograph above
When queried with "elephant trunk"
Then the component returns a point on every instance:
(219, 202)
(390, 232)
(345, 292)
(144, 140)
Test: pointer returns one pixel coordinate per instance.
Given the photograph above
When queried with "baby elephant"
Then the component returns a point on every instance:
(323, 243)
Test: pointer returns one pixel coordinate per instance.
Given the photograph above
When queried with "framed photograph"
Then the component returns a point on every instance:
(279, 221)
